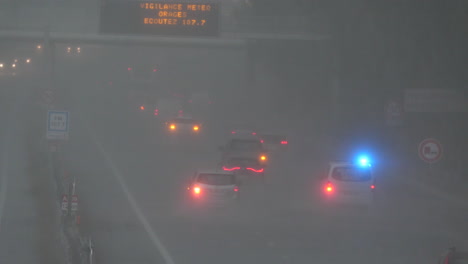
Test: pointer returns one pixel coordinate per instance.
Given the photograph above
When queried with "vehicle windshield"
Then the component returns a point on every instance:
(351, 174)
(143, 75)
(272, 138)
(183, 121)
(243, 162)
(216, 179)
(245, 145)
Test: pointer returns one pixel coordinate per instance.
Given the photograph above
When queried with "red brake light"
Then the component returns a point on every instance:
(372, 186)
(254, 170)
(329, 188)
(142, 107)
(236, 189)
(284, 142)
(196, 190)
(231, 169)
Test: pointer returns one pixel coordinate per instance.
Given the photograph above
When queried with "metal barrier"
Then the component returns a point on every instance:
(87, 253)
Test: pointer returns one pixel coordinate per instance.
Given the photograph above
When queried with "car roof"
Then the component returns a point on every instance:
(243, 157)
(245, 137)
(213, 171)
(341, 163)
(183, 117)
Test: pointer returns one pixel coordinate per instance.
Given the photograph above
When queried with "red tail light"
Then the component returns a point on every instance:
(129, 69)
(156, 112)
(196, 190)
(372, 186)
(254, 133)
(233, 132)
(236, 189)
(155, 70)
(284, 142)
(254, 170)
(142, 108)
(231, 169)
(329, 188)
(262, 141)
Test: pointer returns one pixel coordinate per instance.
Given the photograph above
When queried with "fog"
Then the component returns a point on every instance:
(327, 96)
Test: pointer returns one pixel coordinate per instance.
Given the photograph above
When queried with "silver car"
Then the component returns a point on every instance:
(213, 188)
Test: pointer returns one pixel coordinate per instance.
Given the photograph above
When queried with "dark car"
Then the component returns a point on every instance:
(245, 148)
(244, 166)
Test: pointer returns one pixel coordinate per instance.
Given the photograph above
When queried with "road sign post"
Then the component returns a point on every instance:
(74, 204)
(57, 125)
(64, 204)
(430, 150)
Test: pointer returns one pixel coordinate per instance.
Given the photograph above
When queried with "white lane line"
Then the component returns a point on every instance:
(141, 217)
(4, 178)
(4, 162)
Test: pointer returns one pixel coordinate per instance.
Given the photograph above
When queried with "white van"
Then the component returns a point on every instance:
(348, 182)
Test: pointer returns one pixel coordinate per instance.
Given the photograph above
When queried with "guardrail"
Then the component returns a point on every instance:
(78, 249)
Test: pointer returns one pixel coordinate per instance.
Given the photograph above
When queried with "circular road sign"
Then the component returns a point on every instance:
(430, 150)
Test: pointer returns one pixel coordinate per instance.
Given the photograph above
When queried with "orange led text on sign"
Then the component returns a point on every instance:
(152, 6)
(172, 14)
(176, 7)
(173, 21)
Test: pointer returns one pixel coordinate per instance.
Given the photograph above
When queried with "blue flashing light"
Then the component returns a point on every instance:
(364, 161)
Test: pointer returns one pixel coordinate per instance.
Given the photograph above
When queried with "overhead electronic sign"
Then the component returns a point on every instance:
(159, 18)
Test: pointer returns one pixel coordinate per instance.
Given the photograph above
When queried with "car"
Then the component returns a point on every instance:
(349, 182)
(213, 187)
(142, 73)
(185, 125)
(274, 142)
(9, 68)
(235, 133)
(148, 107)
(245, 147)
(454, 256)
(241, 166)
(73, 50)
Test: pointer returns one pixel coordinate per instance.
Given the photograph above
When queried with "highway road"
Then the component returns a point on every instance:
(28, 215)
(131, 179)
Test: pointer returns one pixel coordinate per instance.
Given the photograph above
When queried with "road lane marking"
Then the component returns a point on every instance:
(133, 203)
(4, 178)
